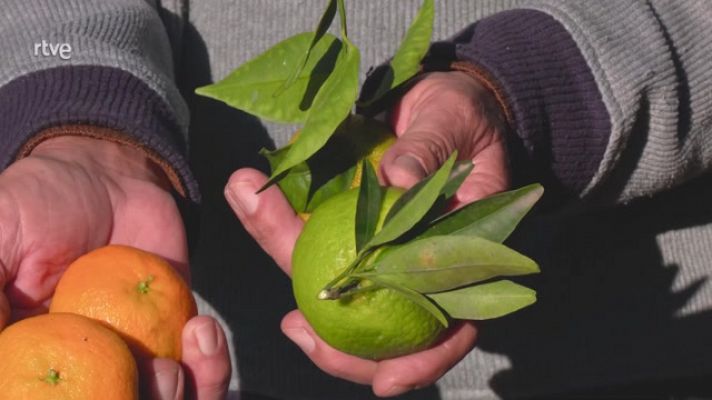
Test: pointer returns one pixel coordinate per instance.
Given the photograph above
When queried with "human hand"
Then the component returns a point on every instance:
(443, 112)
(74, 194)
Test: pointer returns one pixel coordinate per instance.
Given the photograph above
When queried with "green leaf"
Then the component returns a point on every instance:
(368, 205)
(251, 87)
(459, 173)
(296, 183)
(493, 218)
(413, 48)
(416, 298)
(321, 29)
(310, 183)
(332, 169)
(342, 17)
(442, 263)
(331, 107)
(485, 301)
(410, 208)
(405, 199)
(320, 192)
(274, 156)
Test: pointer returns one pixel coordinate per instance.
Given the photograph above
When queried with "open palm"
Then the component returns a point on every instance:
(70, 196)
(59, 204)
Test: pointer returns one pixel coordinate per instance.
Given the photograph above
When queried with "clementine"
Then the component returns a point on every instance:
(135, 292)
(375, 324)
(65, 356)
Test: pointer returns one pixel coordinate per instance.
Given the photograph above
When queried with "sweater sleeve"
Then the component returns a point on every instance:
(92, 63)
(606, 99)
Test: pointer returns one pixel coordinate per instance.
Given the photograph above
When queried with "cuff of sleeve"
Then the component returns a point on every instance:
(119, 107)
(96, 132)
(559, 122)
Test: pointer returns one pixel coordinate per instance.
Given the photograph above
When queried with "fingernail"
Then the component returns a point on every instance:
(301, 338)
(242, 195)
(411, 165)
(397, 389)
(167, 382)
(207, 337)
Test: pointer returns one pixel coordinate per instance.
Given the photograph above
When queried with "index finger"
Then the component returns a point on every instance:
(267, 216)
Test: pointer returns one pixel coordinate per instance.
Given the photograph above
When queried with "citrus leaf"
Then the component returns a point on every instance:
(442, 263)
(410, 208)
(332, 169)
(459, 173)
(324, 23)
(332, 105)
(296, 183)
(342, 18)
(251, 87)
(493, 218)
(368, 205)
(405, 199)
(484, 301)
(311, 183)
(416, 298)
(413, 48)
(334, 186)
(274, 156)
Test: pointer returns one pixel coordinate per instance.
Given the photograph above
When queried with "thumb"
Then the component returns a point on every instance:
(206, 359)
(442, 113)
(420, 149)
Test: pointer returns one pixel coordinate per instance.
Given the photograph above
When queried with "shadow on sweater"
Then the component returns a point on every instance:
(608, 320)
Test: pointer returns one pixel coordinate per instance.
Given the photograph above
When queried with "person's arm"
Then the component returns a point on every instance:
(97, 64)
(608, 99)
(92, 141)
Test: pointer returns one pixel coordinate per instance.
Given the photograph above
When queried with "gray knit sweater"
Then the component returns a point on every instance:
(610, 104)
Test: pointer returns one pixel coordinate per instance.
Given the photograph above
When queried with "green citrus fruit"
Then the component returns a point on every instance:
(375, 324)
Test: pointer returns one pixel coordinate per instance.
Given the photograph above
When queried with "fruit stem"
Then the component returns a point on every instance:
(329, 292)
(52, 377)
(144, 285)
(337, 291)
(358, 290)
